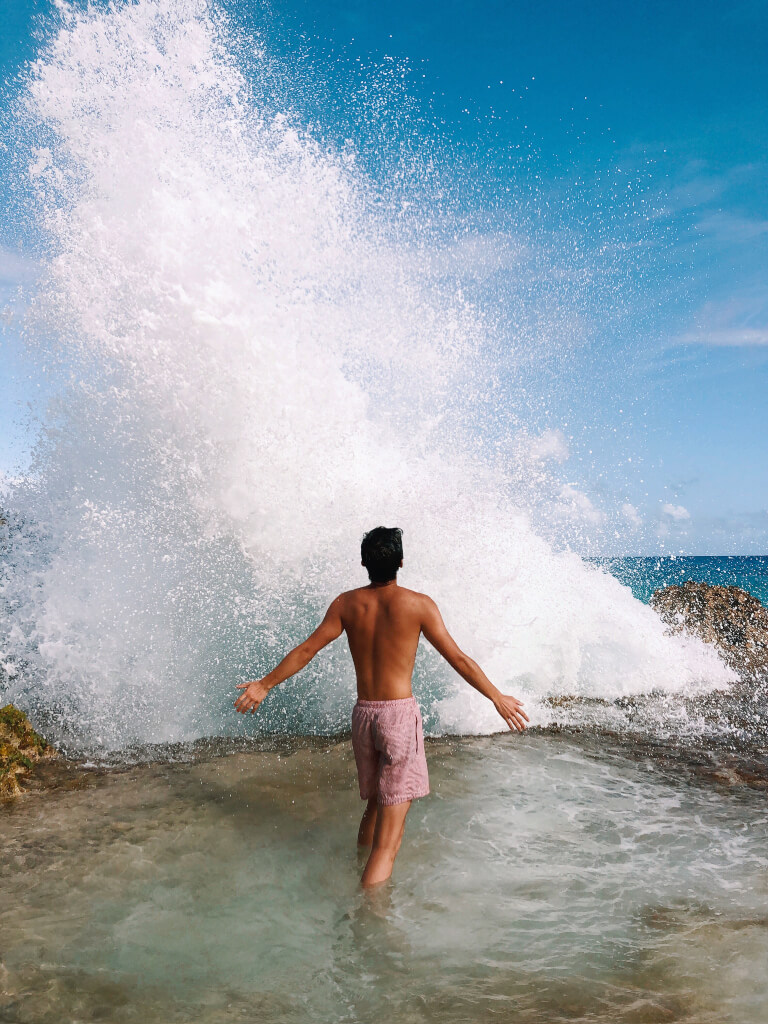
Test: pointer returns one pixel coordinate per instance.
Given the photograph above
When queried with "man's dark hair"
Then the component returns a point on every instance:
(382, 553)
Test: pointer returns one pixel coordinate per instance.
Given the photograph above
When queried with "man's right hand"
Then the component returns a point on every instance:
(511, 711)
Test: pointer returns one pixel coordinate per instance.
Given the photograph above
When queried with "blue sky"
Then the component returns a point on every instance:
(629, 142)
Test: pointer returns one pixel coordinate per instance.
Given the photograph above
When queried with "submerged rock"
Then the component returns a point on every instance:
(20, 747)
(730, 618)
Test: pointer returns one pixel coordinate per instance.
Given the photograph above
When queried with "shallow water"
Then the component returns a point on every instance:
(544, 879)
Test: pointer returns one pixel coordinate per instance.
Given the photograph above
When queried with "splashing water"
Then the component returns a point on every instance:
(255, 365)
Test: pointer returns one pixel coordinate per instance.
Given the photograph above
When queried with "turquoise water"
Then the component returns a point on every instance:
(645, 574)
(546, 879)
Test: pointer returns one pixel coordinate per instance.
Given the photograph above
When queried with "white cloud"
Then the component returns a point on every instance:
(699, 187)
(552, 444)
(579, 506)
(729, 337)
(741, 319)
(676, 512)
(727, 227)
(632, 516)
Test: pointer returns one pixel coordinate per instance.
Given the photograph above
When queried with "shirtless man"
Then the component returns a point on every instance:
(383, 623)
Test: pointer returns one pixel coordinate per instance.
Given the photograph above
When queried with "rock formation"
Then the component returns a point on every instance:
(732, 619)
(20, 747)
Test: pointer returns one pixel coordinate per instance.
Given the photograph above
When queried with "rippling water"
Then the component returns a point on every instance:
(545, 879)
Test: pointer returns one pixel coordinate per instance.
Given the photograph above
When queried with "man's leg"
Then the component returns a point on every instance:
(387, 836)
(368, 823)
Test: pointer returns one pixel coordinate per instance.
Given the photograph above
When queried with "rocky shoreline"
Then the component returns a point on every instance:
(730, 618)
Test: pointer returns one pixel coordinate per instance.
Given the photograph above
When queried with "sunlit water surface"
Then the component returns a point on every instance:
(545, 879)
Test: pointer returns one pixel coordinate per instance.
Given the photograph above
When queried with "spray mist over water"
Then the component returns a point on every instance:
(254, 368)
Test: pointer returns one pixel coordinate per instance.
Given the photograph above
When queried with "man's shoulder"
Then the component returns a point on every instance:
(413, 595)
(350, 593)
(415, 599)
(348, 597)
(402, 593)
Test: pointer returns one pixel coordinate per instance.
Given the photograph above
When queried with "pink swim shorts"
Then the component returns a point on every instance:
(388, 742)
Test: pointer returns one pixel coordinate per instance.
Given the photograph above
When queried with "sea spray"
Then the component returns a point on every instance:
(252, 367)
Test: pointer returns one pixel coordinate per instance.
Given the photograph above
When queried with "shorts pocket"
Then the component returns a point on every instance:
(397, 741)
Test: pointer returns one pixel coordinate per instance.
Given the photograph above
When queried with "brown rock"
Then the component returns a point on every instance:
(20, 747)
(728, 617)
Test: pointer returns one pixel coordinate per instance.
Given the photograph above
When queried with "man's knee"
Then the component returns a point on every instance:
(390, 825)
(390, 822)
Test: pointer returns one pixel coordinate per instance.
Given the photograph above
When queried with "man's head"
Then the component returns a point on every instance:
(382, 553)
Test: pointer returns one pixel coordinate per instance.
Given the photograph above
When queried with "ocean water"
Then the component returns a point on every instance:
(256, 352)
(644, 575)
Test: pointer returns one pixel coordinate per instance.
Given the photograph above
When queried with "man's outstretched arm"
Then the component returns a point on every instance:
(435, 632)
(328, 630)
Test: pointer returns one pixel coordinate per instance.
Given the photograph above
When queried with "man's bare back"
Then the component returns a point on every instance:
(383, 623)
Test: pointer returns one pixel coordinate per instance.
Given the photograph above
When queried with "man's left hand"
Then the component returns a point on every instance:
(254, 694)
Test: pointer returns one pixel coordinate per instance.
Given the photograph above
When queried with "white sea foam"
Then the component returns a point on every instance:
(255, 373)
